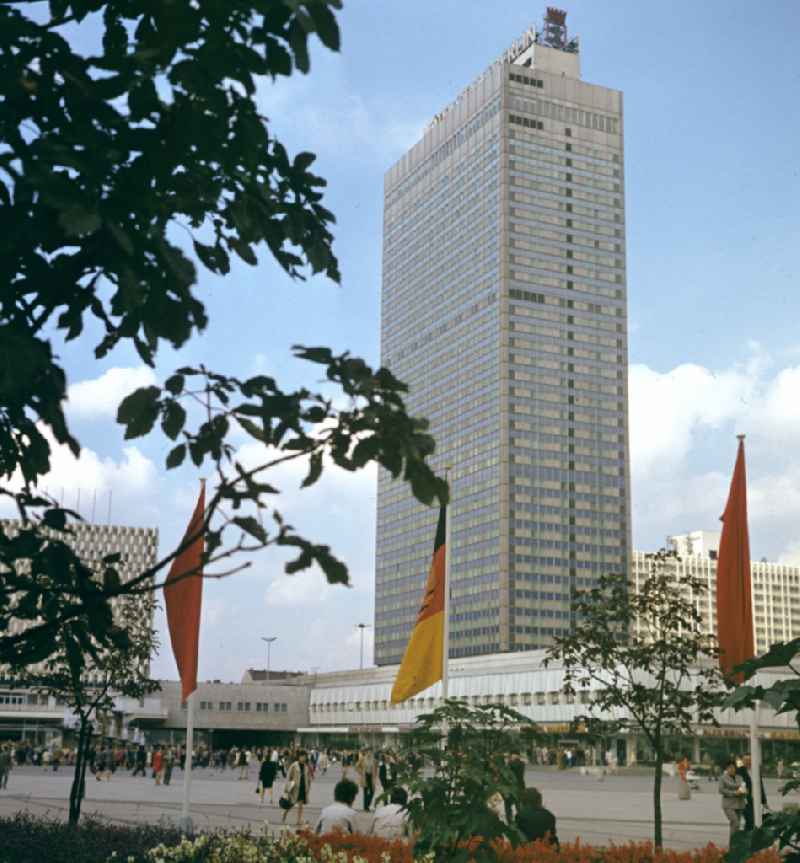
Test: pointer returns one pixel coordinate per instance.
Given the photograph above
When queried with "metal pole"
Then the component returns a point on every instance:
(186, 819)
(362, 627)
(447, 552)
(269, 639)
(755, 766)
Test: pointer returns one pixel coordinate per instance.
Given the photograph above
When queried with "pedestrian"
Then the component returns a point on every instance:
(367, 771)
(242, 764)
(169, 763)
(684, 793)
(266, 777)
(386, 771)
(140, 761)
(158, 764)
(533, 820)
(743, 772)
(5, 765)
(297, 788)
(779, 768)
(734, 794)
(391, 819)
(339, 816)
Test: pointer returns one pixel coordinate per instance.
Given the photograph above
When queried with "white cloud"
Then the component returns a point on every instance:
(99, 398)
(683, 423)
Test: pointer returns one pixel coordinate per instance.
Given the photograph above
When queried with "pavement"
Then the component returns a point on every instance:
(595, 809)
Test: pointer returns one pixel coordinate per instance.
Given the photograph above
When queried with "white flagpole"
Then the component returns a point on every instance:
(755, 767)
(186, 819)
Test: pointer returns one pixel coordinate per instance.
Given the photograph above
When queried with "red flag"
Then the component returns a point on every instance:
(734, 605)
(184, 598)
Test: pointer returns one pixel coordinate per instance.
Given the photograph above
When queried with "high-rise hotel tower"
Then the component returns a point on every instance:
(504, 309)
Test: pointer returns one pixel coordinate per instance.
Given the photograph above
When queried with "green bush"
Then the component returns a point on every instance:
(26, 839)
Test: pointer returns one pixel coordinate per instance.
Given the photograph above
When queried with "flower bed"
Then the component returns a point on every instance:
(31, 840)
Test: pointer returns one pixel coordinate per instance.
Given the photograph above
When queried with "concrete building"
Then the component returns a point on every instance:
(504, 308)
(775, 587)
(41, 717)
(356, 703)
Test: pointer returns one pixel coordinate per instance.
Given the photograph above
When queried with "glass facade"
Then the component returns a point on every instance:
(504, 310)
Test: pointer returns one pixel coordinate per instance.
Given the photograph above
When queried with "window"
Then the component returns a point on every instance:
(239, 705)
(284, 708)
(277, 708)
(247, 706)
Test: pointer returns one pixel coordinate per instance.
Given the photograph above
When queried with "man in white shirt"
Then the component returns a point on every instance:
(340, 816)
(391, 820)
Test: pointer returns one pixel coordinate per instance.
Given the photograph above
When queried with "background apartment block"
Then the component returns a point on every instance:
(504, 309)
(138, 547)
(775, 587)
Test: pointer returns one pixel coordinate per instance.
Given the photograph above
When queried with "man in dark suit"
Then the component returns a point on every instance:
(534, 820)
(743, 771)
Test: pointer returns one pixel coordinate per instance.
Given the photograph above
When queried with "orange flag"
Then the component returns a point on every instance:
(734, 604)
(183, 598)
(423, 660)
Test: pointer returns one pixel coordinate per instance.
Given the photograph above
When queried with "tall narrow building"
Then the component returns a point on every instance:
(504, 309)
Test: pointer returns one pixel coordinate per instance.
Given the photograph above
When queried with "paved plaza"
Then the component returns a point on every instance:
(598, 811)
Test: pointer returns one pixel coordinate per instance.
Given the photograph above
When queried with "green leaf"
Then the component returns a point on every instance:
(251, 526)
(314, 469)
(138, 412)
(173, 419)
(77, 221)
(175, 384)
(176, 456)
(325, 24)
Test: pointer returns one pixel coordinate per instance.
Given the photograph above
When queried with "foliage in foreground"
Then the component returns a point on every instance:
(135, 156)
(783, 696)
(645, 657)
(33, 840)
(473, 752)
(25, 839)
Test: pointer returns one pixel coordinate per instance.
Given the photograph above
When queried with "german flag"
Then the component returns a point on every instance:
(422, 662)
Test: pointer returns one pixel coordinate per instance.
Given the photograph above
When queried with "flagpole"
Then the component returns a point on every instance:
(186, 819)
(755, 767)
(446, 635)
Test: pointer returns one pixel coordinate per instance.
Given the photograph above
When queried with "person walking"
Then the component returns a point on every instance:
(743, 772)
(5, 765)
(140, 761)
(266, 776)
(169, 763)
(734, 795)
(367, 770)
(242, 764)
(297, 788)
(158, 764)
(684, 793)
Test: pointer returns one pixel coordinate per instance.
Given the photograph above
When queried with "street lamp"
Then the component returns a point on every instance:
(269, 641)
(362, 627)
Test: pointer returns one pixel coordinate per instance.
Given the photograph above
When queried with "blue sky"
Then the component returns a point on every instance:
(712, 188)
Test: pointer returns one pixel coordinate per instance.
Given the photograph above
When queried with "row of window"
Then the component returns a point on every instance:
(514, 699)
(245, 706)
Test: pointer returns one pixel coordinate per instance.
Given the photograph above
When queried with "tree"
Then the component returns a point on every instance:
(89, 689)
(646, 656)
(125, 167)
(470, 750)
(783, 696)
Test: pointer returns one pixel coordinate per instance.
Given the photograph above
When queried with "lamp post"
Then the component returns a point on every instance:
(362, 627)
(269, 641)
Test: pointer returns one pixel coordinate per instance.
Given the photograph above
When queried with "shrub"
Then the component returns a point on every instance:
(26, 839)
